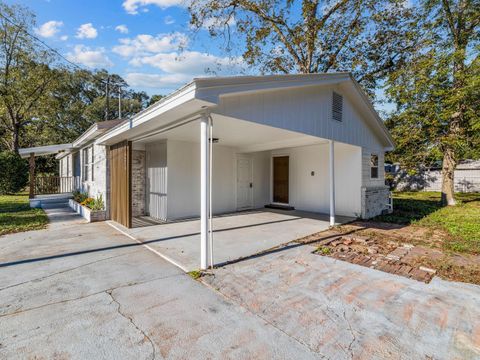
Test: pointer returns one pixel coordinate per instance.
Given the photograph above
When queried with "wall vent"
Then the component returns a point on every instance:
(337, 107)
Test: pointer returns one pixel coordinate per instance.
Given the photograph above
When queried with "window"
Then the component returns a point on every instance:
(374, 166)
(92, 163)
(85, 164)
(337, 107)
(88, 163)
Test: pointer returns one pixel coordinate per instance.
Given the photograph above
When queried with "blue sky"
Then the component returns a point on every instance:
(148, 42)
(138, 39)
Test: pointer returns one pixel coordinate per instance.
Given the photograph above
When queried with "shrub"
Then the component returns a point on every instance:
(14, 173)
(96, 204)
(79, 196)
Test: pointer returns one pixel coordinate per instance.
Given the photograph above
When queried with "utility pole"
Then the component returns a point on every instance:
(119, 101)
(107, 97)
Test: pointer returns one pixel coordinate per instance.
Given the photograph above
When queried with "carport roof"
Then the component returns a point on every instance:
(44, 150)
(193, 98)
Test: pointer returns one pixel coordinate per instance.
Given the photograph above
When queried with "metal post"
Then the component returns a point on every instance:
(331, 164)
(204, 186)
(107, 97)
(119, 102)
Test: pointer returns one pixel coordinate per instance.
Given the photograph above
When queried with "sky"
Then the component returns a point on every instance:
(137, 39)
(148, 42)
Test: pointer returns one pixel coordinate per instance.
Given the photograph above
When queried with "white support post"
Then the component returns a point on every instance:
(210, 192)
(204, 189)
(331, 164)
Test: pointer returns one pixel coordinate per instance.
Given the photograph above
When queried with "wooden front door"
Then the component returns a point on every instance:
(121, 183)
(280, 179)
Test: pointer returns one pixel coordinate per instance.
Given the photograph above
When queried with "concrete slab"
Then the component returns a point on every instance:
(236, 235)
(84, 291)
(343, 311)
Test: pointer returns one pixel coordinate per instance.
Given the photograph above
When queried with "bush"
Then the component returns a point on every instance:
(13, 173)
(96, 204)
(79, 197)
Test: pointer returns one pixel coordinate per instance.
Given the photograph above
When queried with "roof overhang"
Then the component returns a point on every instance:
(203, 93)
(44, 150)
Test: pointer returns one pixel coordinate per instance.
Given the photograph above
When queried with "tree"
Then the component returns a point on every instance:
(14, 172)
(366, 37)
(25, 75)
(438, 93)
(155, 98)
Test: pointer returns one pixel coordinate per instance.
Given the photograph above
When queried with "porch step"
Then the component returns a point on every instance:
(279, 207)
(50, 202)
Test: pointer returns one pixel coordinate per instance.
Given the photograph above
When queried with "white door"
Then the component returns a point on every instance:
(244, 183)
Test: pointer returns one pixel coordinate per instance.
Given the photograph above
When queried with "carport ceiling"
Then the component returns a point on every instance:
(244, 135)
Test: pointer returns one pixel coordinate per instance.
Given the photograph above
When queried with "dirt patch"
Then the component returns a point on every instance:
(411, 251)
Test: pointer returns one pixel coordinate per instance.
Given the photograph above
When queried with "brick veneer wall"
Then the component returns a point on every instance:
(138, 182)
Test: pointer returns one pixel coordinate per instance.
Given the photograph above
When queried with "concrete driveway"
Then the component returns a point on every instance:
(85, 291)
(342, 311)
(236, 235)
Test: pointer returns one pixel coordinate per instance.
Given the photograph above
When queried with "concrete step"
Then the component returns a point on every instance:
(50, 201)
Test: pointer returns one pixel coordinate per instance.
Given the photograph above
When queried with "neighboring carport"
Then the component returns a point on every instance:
(48, 184)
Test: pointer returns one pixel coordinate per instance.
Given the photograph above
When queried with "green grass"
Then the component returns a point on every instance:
(17, 216)
(195, 274)
(462, 221)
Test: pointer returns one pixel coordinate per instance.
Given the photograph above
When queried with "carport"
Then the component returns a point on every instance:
(219, 146)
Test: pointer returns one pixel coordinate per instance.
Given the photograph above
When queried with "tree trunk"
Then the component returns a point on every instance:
(448, 170)
(15, 138)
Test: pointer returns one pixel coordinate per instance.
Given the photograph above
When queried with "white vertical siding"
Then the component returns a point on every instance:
(307, 111)
(156, 180)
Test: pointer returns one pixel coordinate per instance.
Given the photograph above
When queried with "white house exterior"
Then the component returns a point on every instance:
(311, 142)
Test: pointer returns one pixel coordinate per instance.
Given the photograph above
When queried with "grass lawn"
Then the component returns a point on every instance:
(461, 222)
(16, 215)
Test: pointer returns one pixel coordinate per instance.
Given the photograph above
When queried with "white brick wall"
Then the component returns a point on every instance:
(100, 183)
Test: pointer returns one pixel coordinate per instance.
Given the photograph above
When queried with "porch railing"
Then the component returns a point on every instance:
(45, 185)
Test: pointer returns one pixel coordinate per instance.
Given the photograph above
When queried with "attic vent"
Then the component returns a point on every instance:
(337, 106)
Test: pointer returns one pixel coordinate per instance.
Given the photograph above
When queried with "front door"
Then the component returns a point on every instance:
(244, 183)
(280, 179)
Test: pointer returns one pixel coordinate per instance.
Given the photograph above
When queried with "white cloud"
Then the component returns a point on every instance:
(156, 80)
(169, 20)
(93, 58)
(193, 63)
(123, 29)
(49, 29)
(132, 6)
(86, 31)
(64, 38)
(144, 44)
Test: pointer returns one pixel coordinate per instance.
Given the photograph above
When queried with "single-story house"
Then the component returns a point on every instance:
(222, 144)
